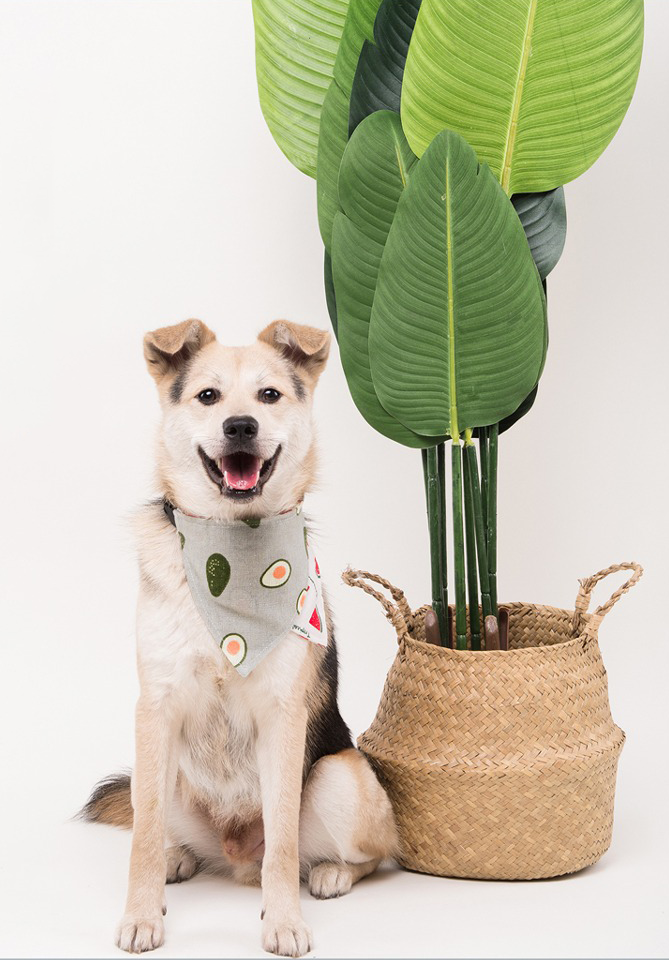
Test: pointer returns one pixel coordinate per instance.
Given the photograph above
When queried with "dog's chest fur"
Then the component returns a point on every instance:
(219, 710)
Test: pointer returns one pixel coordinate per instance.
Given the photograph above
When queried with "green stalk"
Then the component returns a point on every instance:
(459, 549)
(470, 543)
(492, 514)
(435, 525)
(475, 490)
(483, 452)
(441, 470)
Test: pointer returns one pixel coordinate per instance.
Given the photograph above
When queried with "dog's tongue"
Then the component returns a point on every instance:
(241, 471)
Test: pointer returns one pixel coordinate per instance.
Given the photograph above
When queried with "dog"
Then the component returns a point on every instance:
(256, 776)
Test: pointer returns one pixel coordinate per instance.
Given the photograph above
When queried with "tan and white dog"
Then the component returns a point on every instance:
(254, 776)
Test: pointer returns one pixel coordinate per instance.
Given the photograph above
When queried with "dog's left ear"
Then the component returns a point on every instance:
(305, 347)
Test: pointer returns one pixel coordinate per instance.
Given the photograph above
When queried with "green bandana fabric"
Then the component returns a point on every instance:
(253, 582)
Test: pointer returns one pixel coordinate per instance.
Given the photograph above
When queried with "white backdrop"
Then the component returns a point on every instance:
(139, 186)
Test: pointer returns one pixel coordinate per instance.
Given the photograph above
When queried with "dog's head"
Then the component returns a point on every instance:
(236, 437)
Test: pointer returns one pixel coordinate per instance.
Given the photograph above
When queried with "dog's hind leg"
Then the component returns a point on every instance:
(328, 880)
(346, 824)
(181, 864)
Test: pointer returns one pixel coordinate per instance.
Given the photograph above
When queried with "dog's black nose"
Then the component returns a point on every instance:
(240, 428)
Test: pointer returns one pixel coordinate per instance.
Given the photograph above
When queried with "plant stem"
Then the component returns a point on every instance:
(459, 549)
(434, 523)
(441, 470)
(492, 514)
(483, 452)
(470, 543)
(475, 491)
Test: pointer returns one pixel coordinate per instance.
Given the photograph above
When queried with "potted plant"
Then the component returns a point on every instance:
(440, 146)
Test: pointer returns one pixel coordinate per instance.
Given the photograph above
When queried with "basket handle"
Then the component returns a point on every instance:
(585, 592)
(398, 613)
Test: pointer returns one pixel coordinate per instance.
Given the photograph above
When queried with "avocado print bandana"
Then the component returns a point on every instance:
(253, 582)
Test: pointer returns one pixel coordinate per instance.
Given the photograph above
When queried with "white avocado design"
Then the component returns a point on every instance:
(234, 647)
(276, 574)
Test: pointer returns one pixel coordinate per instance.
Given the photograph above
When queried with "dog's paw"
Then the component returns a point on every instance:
(287, 938)
(181, 864)
(138, 934)
(328, 880)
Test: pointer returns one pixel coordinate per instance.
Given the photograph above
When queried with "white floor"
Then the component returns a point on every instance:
(64, 889)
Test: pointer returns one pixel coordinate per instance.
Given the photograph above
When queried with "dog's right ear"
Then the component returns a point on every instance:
(168, 350)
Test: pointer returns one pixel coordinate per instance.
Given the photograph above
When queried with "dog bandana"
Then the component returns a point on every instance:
(252, 582)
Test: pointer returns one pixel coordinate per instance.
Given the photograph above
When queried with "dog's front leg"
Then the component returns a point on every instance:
(154, 778)
(280, 752)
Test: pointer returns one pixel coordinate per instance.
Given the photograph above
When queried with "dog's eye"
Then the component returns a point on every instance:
(269, 395)
(207, 397)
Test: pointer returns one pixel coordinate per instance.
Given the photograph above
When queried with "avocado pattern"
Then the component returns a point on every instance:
(276, 575)
(245, 610)
(218, 574)
(234, 647)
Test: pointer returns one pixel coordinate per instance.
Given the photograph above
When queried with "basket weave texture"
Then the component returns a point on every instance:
(499, 764)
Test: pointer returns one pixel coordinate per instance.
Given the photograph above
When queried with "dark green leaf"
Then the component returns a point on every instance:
(544, 220)
(524, 408)
(329, 291)
(331, 145)
(378, 78)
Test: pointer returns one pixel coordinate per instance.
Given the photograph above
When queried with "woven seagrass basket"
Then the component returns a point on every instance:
(500, 764)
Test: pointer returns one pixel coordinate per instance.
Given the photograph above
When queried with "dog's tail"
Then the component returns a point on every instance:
(110, 802)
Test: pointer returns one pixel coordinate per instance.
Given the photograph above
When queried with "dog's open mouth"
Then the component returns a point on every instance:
(240, 475)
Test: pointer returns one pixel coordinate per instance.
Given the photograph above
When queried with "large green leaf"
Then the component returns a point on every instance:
(359, 26)
(374, 171)
(330, 299)
(544, 220)
(378, 77)
(528, 402)
(538, 87)
(296, 47)
(377, 84)
(458, 327)
(331, 145)
(333, 136)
